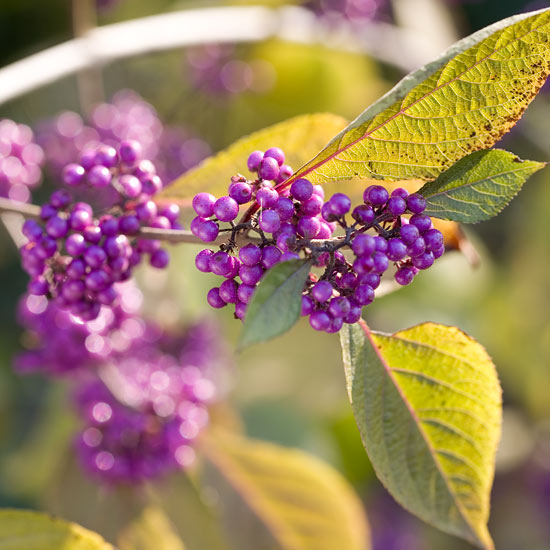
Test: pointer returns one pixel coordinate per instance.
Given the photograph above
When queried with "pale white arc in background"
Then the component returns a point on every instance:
(399, 47)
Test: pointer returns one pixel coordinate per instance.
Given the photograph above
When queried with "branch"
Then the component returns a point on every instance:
(101, 45)
(168, 235)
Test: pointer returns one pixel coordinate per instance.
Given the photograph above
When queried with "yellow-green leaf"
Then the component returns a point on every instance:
(301, 137)
(460, 103)
(28, 530)
(275, 498)
(478, 186)
(427, 402)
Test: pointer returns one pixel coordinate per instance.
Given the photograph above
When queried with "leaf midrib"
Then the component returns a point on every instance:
(417, 423)
(403, 110)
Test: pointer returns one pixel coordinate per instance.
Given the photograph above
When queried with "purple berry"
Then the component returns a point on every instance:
(275, 153)
(99, 176)
(363, 213)
(339, 307)
(308, 305)
(97, 280)
(400, 192)
(301, 189)
(160, 258)
(130, 152)
(397, 249)
(320, 320)
(47, 211)
(404, 275)
(80, 219)
(220, 263)
(129, 225)
(417, 247)
(339, 204)
(226, 209)
(240, 192)
(423, 223)
(322, 291)
(438, 252)
(76, 269)
(250, 255)
(203, 204)
(208, 231)
(396, 206)
(95, 256)
(57, 227)
(73, 174)
(409, 233)
(269, 169)
(376, 195)
(130, 186)
(38, 286)
(245, 292)
(284, 173)
(73, 290)
(312, 207)
(75, 244)
(433, 238)
(424, 261)
(267, 197)
(32, 230)
(269, 221)
(214, 299)
(380, 244)
(106, 156)
(285, 209)
(380, 262)
(364, 295)
(416, 203)
(160, 222)
(251, 275)
(228, 291)
(60, 199)
(271, 256)
(348, 281)
(202, 260)
(363, 244)
(146, 211)
(92, 233)
(254, 160)
(308, 227)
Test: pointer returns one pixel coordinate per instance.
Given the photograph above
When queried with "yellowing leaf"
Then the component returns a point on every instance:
(427, 402)
(27, 530)
(300, 137)
(299, 502)
(462, 102)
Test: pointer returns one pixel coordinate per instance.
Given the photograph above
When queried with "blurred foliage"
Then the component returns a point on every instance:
(292, 390)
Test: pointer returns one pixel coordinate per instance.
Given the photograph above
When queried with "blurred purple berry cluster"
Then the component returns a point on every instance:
(76, 256)
(215, 69)
(356, 11)
(142, 392)
(293, 221)
(20, 161)
(127, 117)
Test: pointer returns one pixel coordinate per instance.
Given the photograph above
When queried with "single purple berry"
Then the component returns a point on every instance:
(251, 275)
(129, 225)
(129, 185)
(97, 280)
(364, 214)
(404, 275)
(240, 192)
(400, 192)
(269, 221)
(363, 264)
(417, 247)
(250, 255)
(269, 168)
(312, 207)
(32, 230)
(235, 267)
(416, 203)
(349, 281)
(203, 204)
(116, 246)
(376, 195)
(320, 320)
(160, 258)
(73, 290)
(57, 227)
(397, 249)
(380, 244)
(146, 211)
(130, 152)
(87, 159)
(73, 174)
(301, 189)
(424, 261)
(326, 213)
(208, 231)
(284, 173)
(160, 222)
(308, 227)
(322, 291)
(107, 296)
(325, 231)
(380, 262)
(214, 299)
(423, 223)
(254, 160)
(76, 269)
(38, 286)
(308, 305)
(409, 233)
(364, 295)
(220, 263)
(354, 314)
(60, 199)
(75, 244)
(275, 153)
(433, 238)
(202, 260)
(79, 220)
(228, 291)
(267, 197)
(363, 244)
(95, 256)
(339, 307)
(285, 209)
(396, 206)
(92, 233)
(371, 279)
(245, 292)
(195, 225)
(240, 310)
(438, 252)
(151, 184)
(99, 176)
(271, 256)
(339, 204)
(226, 209)
(47, 211)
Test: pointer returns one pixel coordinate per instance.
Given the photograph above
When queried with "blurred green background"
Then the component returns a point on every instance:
(292, 390)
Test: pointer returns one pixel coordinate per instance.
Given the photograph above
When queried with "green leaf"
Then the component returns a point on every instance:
(462, 102)
(301, 137)
(478, 186)
(275, 498)
(276, 304)
(27, 530)
(427, 402)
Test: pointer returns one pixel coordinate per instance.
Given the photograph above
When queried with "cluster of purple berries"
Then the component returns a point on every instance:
(215, 70)
(353, 10)
(77, 258)
(127, 117)
(293, 221)
(20, 161)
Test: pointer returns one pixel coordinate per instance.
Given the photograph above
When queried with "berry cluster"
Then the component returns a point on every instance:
(20, 161)
(356, 11)
(214, 69)
(293, 222)
(75, 257)
(63, 344)
(127, 117)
